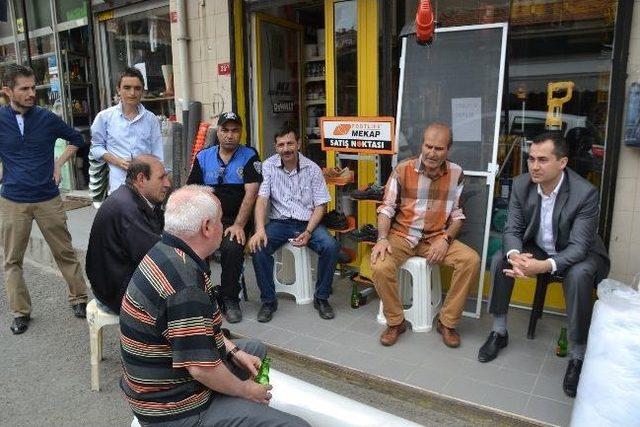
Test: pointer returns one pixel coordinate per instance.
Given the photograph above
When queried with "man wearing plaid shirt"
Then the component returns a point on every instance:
(421, 215)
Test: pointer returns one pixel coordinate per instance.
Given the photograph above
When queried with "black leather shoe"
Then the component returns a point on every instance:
(19, 325)
(80, 310)
(492, 346)
(233, 313)
(266, 311)
(323, 307)
(571, 377)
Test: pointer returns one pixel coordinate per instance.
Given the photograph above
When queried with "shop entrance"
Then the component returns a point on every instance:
(312, 59)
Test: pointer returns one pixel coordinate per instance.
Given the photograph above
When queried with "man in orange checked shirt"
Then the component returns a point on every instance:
(421, 215)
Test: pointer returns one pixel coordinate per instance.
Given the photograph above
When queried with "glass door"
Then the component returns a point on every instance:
(458, 81)
(278, 72)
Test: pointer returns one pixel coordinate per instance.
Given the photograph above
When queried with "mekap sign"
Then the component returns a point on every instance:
(365, 135)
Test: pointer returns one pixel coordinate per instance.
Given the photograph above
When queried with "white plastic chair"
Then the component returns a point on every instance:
(426, 295)
(97, 319)
(302, 287)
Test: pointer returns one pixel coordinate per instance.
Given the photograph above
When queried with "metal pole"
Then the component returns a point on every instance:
(25, 24)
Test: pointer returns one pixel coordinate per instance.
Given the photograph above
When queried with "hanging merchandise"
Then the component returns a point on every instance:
(425, 24)
(554, 113)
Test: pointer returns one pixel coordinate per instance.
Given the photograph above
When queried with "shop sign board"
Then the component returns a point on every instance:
(364, 135)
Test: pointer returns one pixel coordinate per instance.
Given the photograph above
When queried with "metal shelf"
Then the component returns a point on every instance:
(314, 79)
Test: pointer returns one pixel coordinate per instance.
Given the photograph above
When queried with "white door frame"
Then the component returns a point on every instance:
(492, 167)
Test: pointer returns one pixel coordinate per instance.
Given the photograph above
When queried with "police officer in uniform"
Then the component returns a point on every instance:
(234, 172)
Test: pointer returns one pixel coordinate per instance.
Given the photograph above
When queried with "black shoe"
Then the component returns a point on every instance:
(19, 325)
(371, 192)
(335, 220)
(492, 346)
(266, 311)
(571, 377)
(323, 307)
(80, 310)
(233, 313)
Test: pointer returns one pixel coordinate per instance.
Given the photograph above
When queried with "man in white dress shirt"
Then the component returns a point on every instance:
(126, 130)
(551, 228)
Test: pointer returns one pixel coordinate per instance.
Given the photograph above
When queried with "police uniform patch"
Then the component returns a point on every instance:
(258, 167)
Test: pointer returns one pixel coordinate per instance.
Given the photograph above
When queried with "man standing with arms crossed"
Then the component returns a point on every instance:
(30, 191)
(126, 130)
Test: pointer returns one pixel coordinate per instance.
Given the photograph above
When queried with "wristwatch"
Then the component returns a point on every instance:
(231, 354)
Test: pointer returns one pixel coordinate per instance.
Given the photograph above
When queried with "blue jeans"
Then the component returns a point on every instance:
(278, 233)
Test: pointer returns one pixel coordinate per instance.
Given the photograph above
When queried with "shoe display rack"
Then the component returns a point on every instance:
(345, 226)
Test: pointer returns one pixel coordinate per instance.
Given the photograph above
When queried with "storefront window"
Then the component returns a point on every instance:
(69, 10)
(549, 42)
(345, 42)
(142, 40)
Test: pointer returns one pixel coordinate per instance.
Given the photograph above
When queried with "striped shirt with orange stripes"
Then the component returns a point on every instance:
(169, 320)
(422, 208)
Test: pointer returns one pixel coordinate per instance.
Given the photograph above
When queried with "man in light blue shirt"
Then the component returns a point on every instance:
(126, 130)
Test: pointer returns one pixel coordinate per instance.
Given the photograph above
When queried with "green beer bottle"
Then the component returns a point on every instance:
(355, 296)
(263, 374)
(561, 348)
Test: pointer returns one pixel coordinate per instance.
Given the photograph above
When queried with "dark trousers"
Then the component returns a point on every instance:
(228, 411)
(579, 281)
(231, 263)
(278, 233)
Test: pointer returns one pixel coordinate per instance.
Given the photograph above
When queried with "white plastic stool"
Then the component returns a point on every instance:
(302, 287)
(427, 293)
(97, 319)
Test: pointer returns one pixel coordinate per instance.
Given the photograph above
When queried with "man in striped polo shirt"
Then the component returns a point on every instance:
(179, 369)
(421, 216)
(296, 190)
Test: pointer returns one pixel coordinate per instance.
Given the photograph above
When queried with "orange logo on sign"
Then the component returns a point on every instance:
(342, 129)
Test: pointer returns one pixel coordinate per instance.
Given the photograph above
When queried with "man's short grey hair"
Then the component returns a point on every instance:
(187, 208)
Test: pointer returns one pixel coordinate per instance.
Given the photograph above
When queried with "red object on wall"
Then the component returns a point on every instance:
(198, 144)
(425, 24)
(224, 69)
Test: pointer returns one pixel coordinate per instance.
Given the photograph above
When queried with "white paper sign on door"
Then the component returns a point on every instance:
(466, 119)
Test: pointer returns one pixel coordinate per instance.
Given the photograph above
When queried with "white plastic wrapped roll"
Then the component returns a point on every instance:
(323, 408)
(609, 388)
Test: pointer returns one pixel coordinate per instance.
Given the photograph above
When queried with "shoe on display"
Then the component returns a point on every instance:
(371, 192)
(367, 233)
(335, 220)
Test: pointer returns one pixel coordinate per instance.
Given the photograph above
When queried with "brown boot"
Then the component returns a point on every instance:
(450, 336)
(391, 334)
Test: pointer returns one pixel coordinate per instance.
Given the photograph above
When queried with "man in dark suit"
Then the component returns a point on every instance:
(551, 228)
